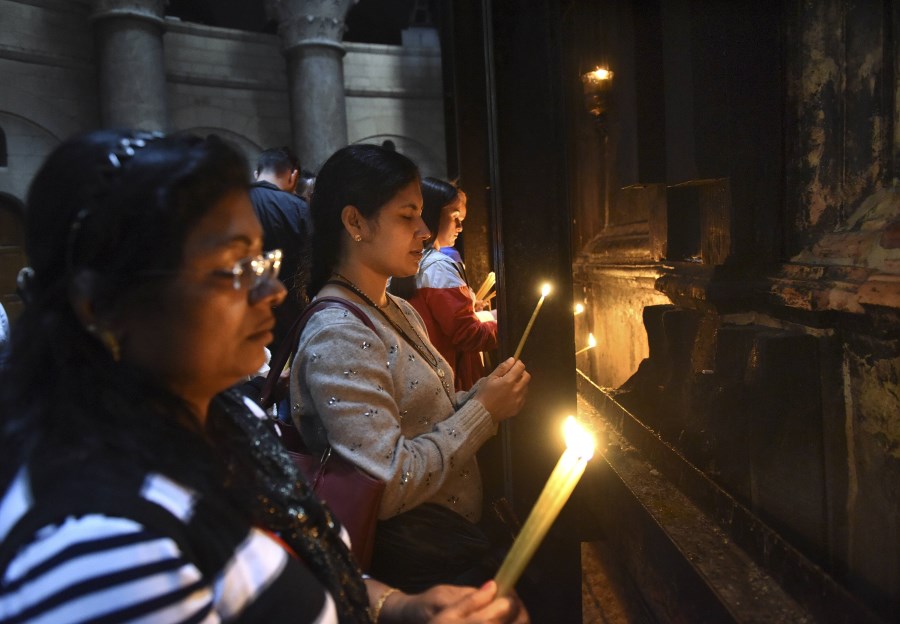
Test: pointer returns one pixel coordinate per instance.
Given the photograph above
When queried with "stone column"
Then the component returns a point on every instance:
(132, 80)
(311, 33)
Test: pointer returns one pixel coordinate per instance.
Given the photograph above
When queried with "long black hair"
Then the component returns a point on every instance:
(365, 176)
(119, 204)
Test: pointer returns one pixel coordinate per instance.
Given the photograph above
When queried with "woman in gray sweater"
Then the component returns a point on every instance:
(384, 399)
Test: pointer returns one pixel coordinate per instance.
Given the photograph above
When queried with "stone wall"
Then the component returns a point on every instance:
(231, 83)
(395, 93)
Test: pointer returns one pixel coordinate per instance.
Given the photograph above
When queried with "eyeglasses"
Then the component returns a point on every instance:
(250, 273)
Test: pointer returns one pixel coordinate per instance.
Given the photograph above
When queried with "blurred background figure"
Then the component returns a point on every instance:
(440, 291)
(287, 226)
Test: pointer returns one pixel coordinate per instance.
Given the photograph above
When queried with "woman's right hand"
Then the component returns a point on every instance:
(484, 606)
(503, 391)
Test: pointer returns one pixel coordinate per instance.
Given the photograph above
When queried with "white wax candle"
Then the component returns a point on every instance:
(556, 492)
(545, 290)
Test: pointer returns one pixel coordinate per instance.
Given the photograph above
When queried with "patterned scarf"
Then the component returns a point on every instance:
(285, 505)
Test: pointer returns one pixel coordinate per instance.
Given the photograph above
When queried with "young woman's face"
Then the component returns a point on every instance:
(452, 217)
(393, 244)
(202, 335)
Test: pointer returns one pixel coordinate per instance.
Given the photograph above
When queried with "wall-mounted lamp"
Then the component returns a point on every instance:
(597, 90)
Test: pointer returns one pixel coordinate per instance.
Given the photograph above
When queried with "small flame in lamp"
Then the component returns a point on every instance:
(592, 342)
(579, 309)
(597, 89)
(578, 439)
(598, 76)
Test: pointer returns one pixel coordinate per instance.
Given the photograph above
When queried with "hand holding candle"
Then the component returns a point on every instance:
(579, 449)
(545, 290)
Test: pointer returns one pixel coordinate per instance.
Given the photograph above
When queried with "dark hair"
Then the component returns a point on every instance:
(435, 195)
(120, 204)
(365, 176)
(306, 183)
(279, 160)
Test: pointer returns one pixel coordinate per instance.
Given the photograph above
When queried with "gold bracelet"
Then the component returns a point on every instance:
(376, 610)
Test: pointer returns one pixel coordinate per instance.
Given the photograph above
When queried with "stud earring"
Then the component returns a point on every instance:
(357, 238)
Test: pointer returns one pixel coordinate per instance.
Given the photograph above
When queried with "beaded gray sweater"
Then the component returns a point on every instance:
(380, 405)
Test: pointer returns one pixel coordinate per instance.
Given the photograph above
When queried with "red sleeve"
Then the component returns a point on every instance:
(454, 313)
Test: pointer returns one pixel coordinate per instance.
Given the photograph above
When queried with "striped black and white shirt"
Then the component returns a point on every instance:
(152, 553)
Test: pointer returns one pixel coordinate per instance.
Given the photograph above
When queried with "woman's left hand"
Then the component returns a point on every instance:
(449, 604)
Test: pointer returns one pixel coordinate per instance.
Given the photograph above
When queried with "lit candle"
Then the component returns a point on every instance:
(545, 290)
(592, 342)
(568, 470)
(579, 308)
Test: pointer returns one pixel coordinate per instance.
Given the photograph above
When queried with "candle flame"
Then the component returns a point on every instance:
(598, 75)
(578, 439)
(592, 342)
(578, 309)
(545, 289)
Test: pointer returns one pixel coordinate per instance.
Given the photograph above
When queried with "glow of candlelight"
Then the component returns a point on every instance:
(579, 308)
(592, 342)
(579, 449)
(545, 290)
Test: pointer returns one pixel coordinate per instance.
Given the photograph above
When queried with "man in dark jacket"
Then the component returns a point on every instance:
(287, 225)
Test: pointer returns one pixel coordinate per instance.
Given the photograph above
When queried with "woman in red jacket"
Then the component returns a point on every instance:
(442, 294)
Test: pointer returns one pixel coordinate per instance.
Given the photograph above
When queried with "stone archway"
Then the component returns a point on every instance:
(248, 148)
(429, 164)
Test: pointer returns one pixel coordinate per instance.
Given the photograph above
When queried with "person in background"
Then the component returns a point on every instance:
(287, 226)
(306, 185)
(441, 293)
(134, 486)
(451, 250)
(384, 399)
(4, 334)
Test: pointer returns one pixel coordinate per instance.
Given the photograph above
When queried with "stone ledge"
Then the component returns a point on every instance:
(748, 568)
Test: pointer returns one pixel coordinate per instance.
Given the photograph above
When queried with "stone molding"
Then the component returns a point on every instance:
(305, 23)
(23, 55)
(395, 94)
(854, 266)
(152, 11)
(223, 83)
(176, 25)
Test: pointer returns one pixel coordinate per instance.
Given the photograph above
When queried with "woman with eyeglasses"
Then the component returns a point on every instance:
(135, 486)
(384, 398)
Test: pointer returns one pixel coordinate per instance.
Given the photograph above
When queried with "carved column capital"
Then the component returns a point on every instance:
(310, 22)
(153, 11)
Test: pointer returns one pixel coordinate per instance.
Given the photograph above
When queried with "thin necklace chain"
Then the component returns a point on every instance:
(419, 345)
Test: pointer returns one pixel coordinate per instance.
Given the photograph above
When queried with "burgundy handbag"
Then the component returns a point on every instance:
(353, 495)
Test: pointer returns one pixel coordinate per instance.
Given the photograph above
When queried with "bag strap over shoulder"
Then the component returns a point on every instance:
(289, 344)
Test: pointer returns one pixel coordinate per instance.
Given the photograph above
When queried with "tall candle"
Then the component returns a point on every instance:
(545, 290)
(566, 474)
